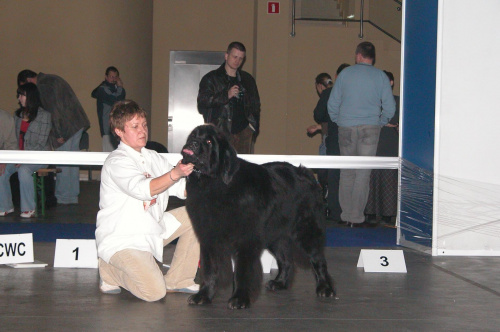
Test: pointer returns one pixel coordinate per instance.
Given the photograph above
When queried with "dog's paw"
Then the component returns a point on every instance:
(274, 285)
(325, 290)
(239, 302)
(199, 299)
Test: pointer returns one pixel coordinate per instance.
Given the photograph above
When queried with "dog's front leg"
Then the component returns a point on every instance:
(247, 276)
(209, 276)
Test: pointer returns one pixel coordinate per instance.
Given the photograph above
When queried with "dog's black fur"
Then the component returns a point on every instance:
(239, 208)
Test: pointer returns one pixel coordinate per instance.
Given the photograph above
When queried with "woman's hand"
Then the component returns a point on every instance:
(313, 128)
(181, 170)
(162, 183)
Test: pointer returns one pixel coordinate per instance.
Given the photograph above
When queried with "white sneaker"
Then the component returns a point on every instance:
(4, 213)
(108, 289)
(193, 289)
(28, 214)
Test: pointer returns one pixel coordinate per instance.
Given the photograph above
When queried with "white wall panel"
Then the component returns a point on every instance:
(467, 174)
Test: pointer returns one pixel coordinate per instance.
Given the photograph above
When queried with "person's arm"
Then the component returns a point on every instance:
(211, 97)
(106, 95)
(255, 102)
(388, 102)
(10, 139)
(41, 130)
(94, 92)
(334, 100)
(321, 109)
(162, 183)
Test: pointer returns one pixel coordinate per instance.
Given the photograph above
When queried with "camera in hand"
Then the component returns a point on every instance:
(241, 92)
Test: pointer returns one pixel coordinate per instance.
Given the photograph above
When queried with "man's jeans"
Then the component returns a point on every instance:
(68, 181)
(355, 183)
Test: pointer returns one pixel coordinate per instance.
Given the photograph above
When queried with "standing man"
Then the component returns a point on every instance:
(228, 98)
(107, 94)
(68, 123)
(361, 103)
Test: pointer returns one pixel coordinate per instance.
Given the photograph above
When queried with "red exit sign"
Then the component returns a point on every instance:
(273, 7)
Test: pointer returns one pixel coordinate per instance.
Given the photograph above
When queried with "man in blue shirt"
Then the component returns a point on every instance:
(361, 103)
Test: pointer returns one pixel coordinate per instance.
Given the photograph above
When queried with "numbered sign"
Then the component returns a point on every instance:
(268, 262)
(16, 248)
(382, 261)
(75, 253)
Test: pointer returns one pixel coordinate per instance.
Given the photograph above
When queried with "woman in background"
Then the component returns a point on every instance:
(382, 202)
(330, 141)
(32, 128)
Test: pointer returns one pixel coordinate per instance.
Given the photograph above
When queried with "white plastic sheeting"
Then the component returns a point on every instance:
(467, 218)
(415, 205)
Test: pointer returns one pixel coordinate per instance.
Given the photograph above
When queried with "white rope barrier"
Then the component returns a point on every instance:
(98, 158)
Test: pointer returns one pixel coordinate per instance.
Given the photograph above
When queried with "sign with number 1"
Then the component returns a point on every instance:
(75, 253)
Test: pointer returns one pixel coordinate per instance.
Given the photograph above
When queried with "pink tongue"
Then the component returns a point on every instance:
(189, 152)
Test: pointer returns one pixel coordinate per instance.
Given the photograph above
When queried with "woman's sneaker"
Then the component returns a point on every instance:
(193, 289)
(4, 213)
(28, 214)
(108, 289)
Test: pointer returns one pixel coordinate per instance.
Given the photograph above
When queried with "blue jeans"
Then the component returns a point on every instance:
(354, 184)
(322, 146)
(26, 187)
(68, 181)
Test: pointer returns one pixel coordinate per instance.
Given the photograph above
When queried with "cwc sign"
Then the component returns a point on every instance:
(16, 248)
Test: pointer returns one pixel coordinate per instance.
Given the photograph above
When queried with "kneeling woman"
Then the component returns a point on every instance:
(33, 125)
(132, 227)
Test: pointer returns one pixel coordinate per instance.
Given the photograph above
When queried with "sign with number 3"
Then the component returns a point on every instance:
(382, 261)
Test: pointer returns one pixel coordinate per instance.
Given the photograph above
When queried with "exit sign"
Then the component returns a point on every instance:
(273, 7)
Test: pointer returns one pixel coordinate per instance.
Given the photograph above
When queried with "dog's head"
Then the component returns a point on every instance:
(208, 148)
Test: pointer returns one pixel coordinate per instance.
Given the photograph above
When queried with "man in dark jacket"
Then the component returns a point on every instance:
(228, 98)
(107, 94)
(69, 121)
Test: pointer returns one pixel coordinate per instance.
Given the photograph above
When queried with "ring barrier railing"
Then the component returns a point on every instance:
(98, 158)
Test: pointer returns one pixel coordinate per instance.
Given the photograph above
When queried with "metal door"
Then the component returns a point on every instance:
(186, 70)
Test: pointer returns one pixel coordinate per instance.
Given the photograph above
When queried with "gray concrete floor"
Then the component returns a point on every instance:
(437, 294)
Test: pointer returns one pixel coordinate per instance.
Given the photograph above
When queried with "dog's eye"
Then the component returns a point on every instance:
(209, 142)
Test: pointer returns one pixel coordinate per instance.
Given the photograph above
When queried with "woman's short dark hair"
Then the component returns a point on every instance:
(389, 75)
(324, 79)
(122, 112)
(342, 67)
(32, 101)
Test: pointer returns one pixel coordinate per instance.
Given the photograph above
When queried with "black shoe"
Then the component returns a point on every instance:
(388, 221)
(343, 223)
(363, 224)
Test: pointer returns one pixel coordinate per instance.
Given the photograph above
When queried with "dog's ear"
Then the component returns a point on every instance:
(229, 165)
(228, 161)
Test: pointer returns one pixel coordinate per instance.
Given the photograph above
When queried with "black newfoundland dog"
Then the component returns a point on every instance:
(238, 209)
